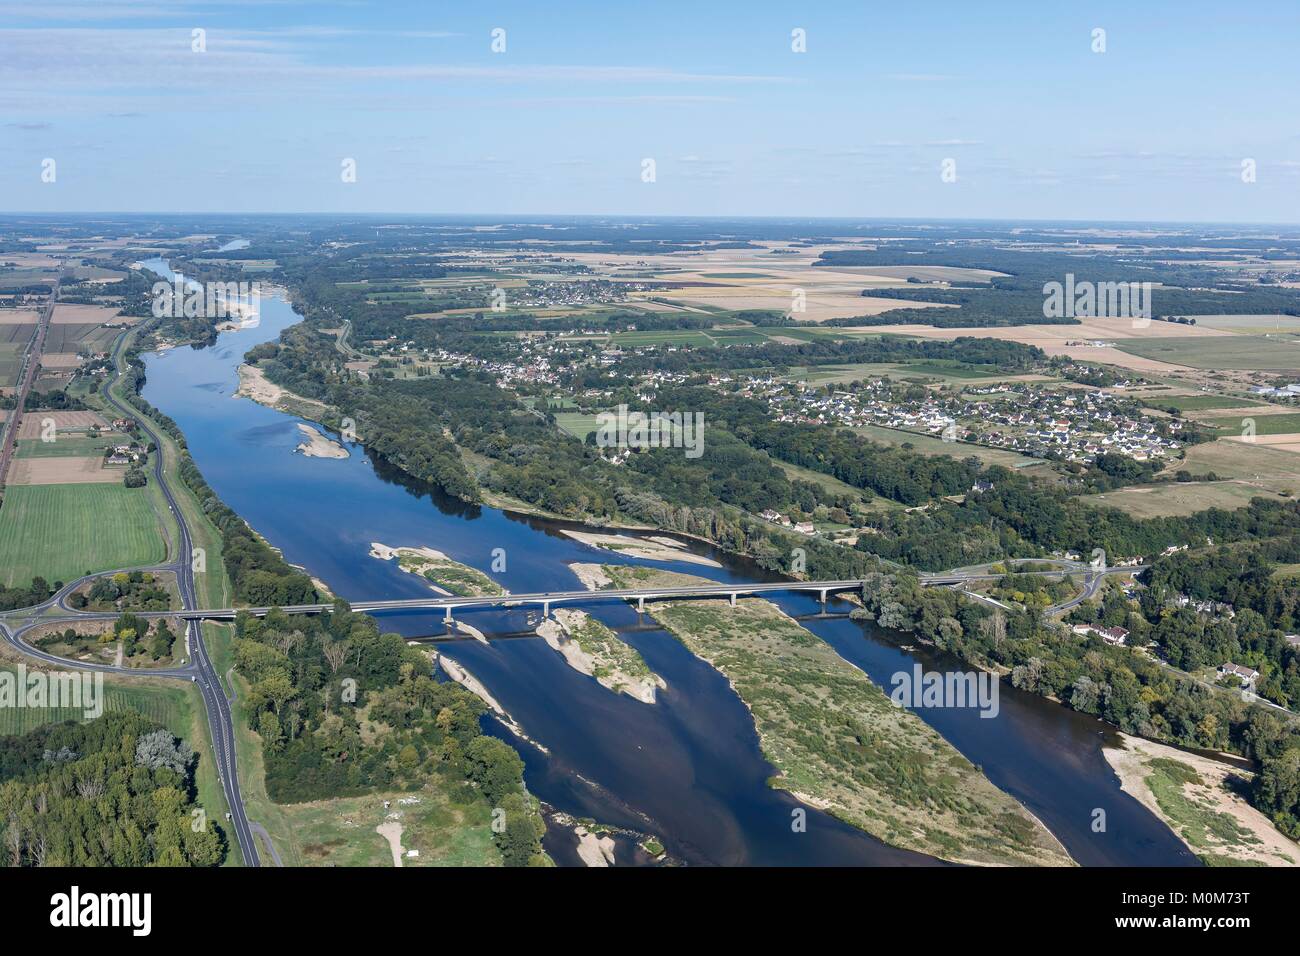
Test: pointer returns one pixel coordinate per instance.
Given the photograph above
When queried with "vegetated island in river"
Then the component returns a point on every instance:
(593, 649)
(443, 574)
(1194, 795)
(837, 740)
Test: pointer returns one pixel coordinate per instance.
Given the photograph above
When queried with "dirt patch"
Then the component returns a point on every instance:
(392, 832)
(82, 314)
(30, 426)
(63, 471)
(1285, 442)
(649, 549)
(61, 360)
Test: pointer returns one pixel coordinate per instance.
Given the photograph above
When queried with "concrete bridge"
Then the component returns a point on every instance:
(546, 599)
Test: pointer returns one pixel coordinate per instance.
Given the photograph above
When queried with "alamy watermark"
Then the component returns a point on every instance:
(919, 688)
(186, 299)
(1097, 300)
(641, 431)
(21, 688)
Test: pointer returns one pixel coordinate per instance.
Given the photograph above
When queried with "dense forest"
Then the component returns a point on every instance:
(117, 791)
(342, 709)
(1016, 296)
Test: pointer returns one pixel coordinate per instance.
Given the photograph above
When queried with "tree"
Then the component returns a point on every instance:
(160, 749)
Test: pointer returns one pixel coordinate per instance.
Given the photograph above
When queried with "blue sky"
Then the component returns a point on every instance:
(1038, 125)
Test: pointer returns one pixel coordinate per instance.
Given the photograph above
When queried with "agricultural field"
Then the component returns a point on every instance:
(1179, 498)
(1284, 424)
(165, 705)
(1246, 352)
(69, 445)
(929, 445)
(61, 532)
(835, 486)
(1195, 403)
(63, 470)
(577, 424)
(1268, 467)
(940, 371)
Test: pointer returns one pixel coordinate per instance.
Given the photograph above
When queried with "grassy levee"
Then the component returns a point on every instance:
(839, 743)
(212, 586)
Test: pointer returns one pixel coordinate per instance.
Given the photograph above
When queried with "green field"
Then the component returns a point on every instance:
(1248, 352)
(67, 445)
(944, 372)
(577, 424)
(62, 531)
(929, 445)
(1194, 403)
(165, 705)
(833, 485)
(342, 832)
(1285, 424)
(1178, 498)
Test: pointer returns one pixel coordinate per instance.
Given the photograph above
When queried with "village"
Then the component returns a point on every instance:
(1041, 421)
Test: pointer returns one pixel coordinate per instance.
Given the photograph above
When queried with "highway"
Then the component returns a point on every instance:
(220, 722)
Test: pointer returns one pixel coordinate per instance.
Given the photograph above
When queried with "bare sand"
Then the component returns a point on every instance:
(592, 576)
(1267, 845)
(317, 445)
(557, 633)
(594, 850)
(471, 683)
(253, 384)
(657, 548)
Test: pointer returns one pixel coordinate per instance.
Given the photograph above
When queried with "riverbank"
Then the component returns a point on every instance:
(254, 385)
(444, 574)
(591, 648)
(837, 741)
(1198, 798)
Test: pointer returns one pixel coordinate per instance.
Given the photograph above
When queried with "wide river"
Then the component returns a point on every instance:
(687, 769)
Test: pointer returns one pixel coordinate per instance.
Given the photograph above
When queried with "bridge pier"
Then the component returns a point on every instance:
(823, 592)
(733, 599)
(640, 605)
(546, 610)
(447, 616)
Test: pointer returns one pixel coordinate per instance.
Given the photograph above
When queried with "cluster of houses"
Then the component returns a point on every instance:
(1066, 423)
(533, 366)
(803, 527)
(124, 454)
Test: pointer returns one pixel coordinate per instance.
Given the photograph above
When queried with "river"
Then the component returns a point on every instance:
(687, 769)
